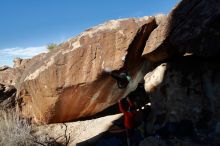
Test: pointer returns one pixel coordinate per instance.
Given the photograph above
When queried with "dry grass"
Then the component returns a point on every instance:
(14, 130)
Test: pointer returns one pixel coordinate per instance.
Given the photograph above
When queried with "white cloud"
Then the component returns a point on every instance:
(23, 52)
(8, 54)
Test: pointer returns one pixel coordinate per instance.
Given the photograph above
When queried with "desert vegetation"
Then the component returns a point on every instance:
(51, 46)
(14, 130)
(17, 131)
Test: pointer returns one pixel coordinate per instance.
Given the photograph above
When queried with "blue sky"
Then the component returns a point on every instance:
(27, 26)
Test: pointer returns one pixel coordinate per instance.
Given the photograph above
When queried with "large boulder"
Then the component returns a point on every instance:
(186, 88)
(192, 27)
(71, 82)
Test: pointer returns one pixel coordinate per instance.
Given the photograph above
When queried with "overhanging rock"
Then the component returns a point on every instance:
(69, 82)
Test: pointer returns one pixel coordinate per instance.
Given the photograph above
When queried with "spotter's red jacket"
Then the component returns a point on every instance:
(129, 116)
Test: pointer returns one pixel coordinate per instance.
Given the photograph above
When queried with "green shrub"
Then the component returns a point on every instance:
(51, 46)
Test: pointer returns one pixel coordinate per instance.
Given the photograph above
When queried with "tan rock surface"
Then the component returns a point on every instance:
(69, 82)
(21, 63)
(11, 76)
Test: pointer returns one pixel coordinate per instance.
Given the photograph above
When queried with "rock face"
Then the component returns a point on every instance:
(21, 63)
(192, 27)
(186, 88)
(10, 76)
(183, 81)
(71, 82)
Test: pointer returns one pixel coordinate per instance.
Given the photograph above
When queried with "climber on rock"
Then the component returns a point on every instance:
(129, 118)
(122, 78)
(139, 96)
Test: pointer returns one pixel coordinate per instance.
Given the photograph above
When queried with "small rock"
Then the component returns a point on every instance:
(1, 87)
(4, 68)
(17, 62)
(9, 102)
(7, 95)
(9, 89)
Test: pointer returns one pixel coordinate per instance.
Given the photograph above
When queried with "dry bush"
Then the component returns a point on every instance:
(14, 130)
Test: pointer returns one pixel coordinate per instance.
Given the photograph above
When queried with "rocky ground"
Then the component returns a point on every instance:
(78, 132)
(109, 131)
